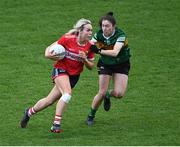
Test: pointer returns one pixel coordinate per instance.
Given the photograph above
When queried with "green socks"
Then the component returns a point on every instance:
(108, 95)
(92, 112)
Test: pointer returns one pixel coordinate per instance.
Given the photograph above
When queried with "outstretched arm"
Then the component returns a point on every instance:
(116, 49)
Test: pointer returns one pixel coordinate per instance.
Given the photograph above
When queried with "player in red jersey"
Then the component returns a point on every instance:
(66, 72)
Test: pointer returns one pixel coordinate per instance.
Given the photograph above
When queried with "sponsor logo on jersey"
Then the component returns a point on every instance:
(73, 56)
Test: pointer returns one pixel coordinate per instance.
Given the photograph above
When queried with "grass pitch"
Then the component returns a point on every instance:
(149, 112)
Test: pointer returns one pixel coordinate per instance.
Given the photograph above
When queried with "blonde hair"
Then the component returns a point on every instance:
(79, 26)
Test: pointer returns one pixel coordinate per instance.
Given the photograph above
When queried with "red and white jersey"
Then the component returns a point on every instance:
(73, 63)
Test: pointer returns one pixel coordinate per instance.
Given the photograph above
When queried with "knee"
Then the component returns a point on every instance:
(102, 93)
(66, 97)
(118, 94)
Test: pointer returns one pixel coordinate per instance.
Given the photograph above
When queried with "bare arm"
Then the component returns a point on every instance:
(89, 64)
(115, 51)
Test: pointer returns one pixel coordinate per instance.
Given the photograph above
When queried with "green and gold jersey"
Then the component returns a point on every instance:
(108, 44)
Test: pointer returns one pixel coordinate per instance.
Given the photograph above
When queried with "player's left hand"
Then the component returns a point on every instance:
(94, 49)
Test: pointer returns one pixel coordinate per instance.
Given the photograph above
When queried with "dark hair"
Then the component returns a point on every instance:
(108, 16)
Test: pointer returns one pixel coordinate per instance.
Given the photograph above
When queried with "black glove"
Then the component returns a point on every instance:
(94, 49)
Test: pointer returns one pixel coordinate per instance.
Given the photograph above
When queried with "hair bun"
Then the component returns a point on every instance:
(110, 13)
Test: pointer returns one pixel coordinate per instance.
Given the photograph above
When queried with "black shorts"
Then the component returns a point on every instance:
(122, 68)
(58, 72)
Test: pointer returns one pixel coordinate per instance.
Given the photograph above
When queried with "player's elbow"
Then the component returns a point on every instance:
(90, 67)
(115, 54)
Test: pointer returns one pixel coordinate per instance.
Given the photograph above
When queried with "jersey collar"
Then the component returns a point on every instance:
(109, 36)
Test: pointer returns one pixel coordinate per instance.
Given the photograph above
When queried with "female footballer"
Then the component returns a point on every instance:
(112, 45)
(66, 72)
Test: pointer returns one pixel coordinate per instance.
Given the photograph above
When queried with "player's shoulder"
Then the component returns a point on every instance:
(68, 38)
(119, 31)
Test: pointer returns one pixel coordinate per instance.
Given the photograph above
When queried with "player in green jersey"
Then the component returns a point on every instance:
(114, 62)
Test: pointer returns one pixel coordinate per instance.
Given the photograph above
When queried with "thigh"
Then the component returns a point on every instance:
(120, 82)
(104, 83)
(54, 94)
(63, 83)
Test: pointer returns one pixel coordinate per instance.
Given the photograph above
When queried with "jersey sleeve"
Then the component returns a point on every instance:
(121, 37)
